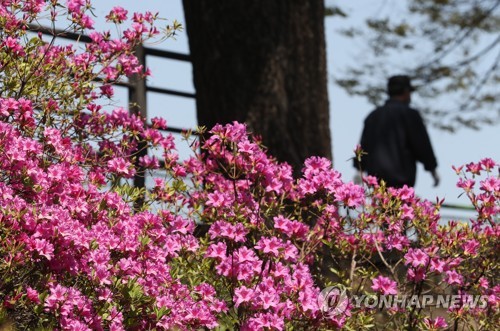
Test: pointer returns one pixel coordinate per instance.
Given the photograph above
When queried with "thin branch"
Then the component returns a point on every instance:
(480, 85)
(460, 39)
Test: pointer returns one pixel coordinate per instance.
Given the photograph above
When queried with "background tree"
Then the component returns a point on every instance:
(450, 47)
(263, 63)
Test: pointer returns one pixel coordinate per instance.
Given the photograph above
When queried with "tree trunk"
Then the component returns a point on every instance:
(263, 62)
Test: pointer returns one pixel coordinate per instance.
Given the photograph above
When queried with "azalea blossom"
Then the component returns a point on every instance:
(384, 285)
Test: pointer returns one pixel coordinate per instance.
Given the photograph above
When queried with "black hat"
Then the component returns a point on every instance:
(397, 85)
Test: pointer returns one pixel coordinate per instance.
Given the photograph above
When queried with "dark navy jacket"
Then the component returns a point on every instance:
(395, 138)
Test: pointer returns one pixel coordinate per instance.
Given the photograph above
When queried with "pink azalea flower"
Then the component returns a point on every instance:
(117, 15)
(268, 298)
(405, 193)
(488, 163)
(474, 168)
(436, 324)
(44, 248)
(217, 251)
(269, 246)
(470, 247)
(216, 200)
(159, 123)
(121, 166)
(453, 277)
(416, 257)
(438, 265)
(416, 275)
(32, 295)
(384, 285)
(483, 282)
(242, 294)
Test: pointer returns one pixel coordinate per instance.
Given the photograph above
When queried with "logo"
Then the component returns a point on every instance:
(333, 301)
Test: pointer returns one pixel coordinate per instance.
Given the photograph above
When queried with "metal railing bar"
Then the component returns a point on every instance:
(460, 207)
(167, 54)
(115, 83)
(84, 38)
(137, 88)
(60, 33)
(175, 130)
(171, 92)
(169, 129)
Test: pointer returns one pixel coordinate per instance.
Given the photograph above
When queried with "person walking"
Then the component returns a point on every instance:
(394, 139)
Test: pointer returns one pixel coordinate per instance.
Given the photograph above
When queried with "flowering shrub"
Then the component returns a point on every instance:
(77, 252)
(274, 240)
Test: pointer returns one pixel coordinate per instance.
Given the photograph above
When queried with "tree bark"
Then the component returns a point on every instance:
(263, 62)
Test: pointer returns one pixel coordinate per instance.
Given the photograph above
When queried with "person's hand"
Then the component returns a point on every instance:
(436, 178)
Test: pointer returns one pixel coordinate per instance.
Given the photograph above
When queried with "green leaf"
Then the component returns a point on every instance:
(335, 11)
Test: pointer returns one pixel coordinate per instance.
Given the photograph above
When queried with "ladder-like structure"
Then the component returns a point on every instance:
(137, 87)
